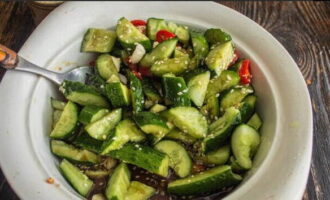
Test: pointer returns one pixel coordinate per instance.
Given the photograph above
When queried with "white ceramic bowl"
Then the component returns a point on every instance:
(282, 163)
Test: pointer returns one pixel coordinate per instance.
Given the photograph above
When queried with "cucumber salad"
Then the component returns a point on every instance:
(169, 113)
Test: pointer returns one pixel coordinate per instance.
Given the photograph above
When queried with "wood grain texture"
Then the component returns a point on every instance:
(302, 27)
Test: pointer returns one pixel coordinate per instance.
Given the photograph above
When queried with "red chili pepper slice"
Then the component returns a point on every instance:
(139, 22)
(244, 72)
(145, 71)
(164, 35)
(137, 74)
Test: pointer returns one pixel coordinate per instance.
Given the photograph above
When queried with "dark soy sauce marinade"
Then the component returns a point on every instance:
(159, 183)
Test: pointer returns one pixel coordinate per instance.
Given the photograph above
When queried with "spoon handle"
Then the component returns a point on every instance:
(8, 58)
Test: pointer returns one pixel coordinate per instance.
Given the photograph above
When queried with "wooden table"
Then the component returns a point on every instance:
(302, 27)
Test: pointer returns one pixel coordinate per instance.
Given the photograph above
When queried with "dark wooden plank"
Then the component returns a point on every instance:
(302, 27)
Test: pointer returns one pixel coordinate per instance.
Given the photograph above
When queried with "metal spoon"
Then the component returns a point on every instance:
(10, 60)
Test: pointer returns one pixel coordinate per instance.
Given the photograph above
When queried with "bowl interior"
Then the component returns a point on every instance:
(40, 111)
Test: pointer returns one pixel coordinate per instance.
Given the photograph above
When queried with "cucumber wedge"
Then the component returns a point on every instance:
(87, 142)
(197, 87)
(128, 127)
(220, 57)
(218, 157)
(220, 130)
(118, 94)
(211, 109)
(98, 40)
(216, 36)
(226, 80)
(128, 35)
(67, 122)
(144, 157)
(150, 91)
(105, 66)
(177, 135)
(91, 114)
(255, 121)
(101, 128)
(157, 108)
(180, 161)
(56, 104)
(118, 183)
(189, 120)
(83, 94)
(234, 96)
(244, 143)
(56, 116)
(139, 191)
(200, 45)
(173, 65)
(151, 123)
(71, 153)
(162, 51)
(207, 181)
(247, 107)
(79, 181)
(176, 90)
(136, 93)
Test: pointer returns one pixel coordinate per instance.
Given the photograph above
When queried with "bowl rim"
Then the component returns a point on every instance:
(30, 43)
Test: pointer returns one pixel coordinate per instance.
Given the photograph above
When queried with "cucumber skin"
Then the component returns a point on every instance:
(173, 149)
(88, 37)
(118, 94)
(87, 142)
(197, 87)
(218, 136)
(226, 80)
(105, 66)
(200, 45)
(73, 116)
(216, 36)
(149, 90)
(88, 113)
(247, 107)
(68, 88)
(234, 97)
(173, 65)
(174, 93)
(64, 165)
(207, 181)
(136, 93)
(120, 177)
(144, 157)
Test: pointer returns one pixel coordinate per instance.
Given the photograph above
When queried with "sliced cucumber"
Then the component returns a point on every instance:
(216, 36)
(255, 121)
(173, 65)
(98, 40)
(180, 161)
(128, 35)
(220, 57)
(176, 90)
(176, 134)
(69, 152)
(244, 143)
(180, 52)
(153, 26)
(207, 181)
(79, 181)
(83, 94)
(118, 183)
(234, 96)
(118, 94)
(197, 87)
(200, 45)
(97, 174)
(150, 91)
(211, 107)
(136, 93)
(56, 116)
(226, 80)
(151, 123)
(139, 191)
(162, 51)
(124, 132)
(90, 114)
(157, 108)
(87, 142)
(220, 130)
(105, 66)
(189, 120)
(144, 157)
(66, 123)
(57, 104)
(219, 156)
(247, 107)
(101, 128)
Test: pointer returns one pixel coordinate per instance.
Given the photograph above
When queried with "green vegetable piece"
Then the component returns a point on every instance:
(219, 156)
(79, 181)
(56, 104)
(211, 107)
(118, 94)
(234, 96)
(98, 40)
(151, 123)
(149, 90)
(226, 80)
(247, 107)
(216, 36)
(197, 87)
(245, 142)
(220, 57)
(136, 93)
(176, 134)
(255, 121)
(118, 183)
(176, 90)
(90, 114)
(157, 108)
(56, 116)
(87, 142)
(139, 191)
(200, 45)
(173, 65)
(105, 66)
